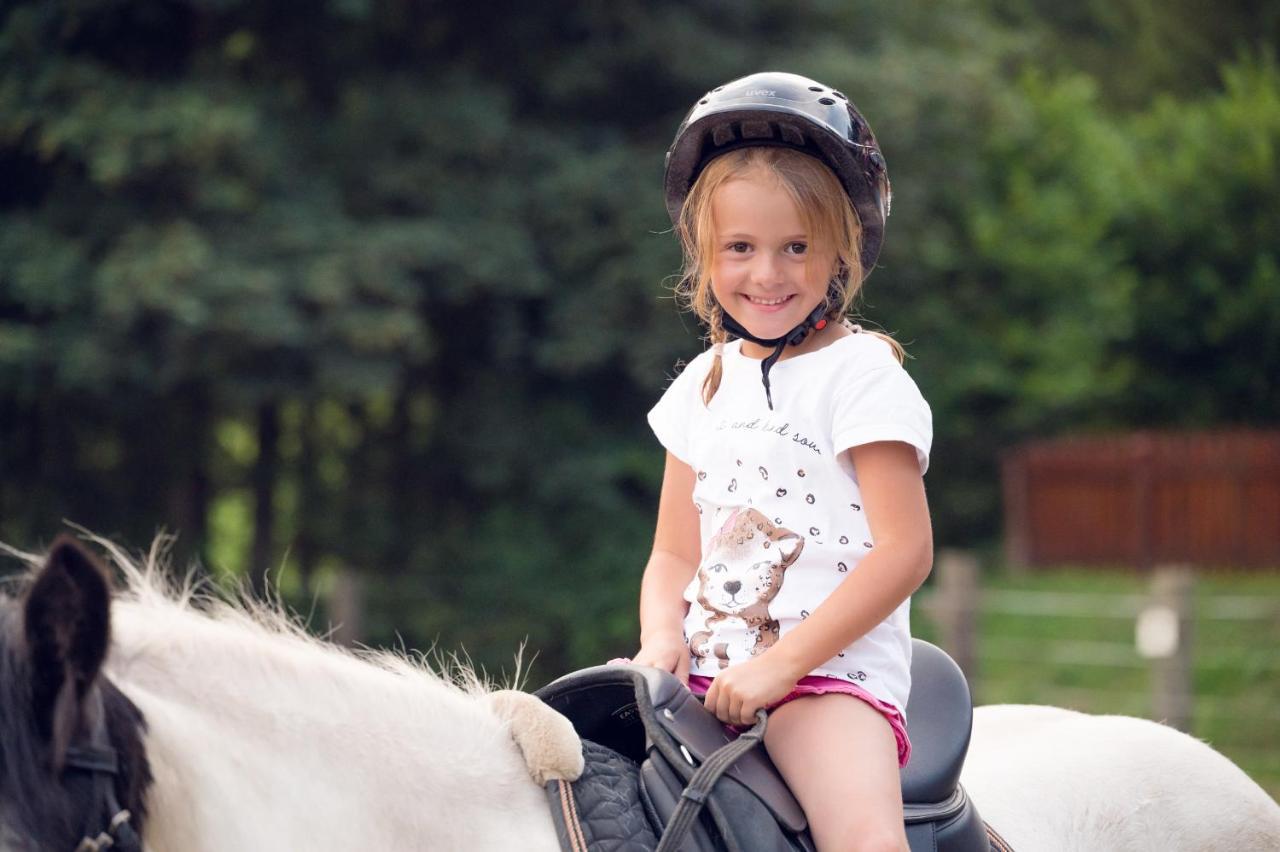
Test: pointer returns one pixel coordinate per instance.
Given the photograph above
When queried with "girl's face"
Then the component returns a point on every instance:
(765, 271)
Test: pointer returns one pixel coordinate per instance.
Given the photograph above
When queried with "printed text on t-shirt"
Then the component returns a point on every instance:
(782, 430)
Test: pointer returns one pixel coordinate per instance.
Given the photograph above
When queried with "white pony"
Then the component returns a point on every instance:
(258, 737)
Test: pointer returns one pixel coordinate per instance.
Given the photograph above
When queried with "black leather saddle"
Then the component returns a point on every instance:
(646, 738)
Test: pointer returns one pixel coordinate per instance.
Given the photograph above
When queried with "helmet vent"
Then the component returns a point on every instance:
(702, 102)
(791, 134)
(816, 89)
(826, 101)
(838, 95)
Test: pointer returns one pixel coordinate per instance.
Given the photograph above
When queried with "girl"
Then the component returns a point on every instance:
(792, 526)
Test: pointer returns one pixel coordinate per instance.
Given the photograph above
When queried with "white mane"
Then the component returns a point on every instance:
(365, 748)
(251, 622)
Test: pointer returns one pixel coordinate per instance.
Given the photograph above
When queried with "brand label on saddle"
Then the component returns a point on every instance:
(625, 712)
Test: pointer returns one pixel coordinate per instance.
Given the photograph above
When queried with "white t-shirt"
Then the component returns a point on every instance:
(782, 521)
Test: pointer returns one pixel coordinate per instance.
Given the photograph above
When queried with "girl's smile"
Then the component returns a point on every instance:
(769, 304)
(765, 272)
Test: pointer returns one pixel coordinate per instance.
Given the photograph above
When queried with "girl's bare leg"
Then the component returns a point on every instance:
(840, 758)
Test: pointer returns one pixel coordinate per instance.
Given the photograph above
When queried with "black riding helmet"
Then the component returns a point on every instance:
(789, 111)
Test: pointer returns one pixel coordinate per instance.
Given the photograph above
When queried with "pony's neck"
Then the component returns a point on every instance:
(261, 738)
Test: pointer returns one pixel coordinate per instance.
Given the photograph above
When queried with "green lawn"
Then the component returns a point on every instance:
(1089, 661)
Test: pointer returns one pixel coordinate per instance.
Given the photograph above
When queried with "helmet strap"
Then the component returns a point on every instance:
(815, 321)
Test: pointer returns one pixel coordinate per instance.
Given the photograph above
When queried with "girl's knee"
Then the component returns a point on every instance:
(861, 840)
(888, 841)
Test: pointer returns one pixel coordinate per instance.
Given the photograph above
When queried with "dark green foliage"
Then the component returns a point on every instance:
(391, 277)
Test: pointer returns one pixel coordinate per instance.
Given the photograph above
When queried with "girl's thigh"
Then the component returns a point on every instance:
(840, 757)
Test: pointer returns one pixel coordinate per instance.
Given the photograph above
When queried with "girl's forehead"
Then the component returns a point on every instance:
(755, 200)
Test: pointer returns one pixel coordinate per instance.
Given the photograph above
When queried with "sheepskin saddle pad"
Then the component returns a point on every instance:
(663, 774)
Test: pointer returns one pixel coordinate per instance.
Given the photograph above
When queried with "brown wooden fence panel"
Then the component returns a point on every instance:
(1209, 498)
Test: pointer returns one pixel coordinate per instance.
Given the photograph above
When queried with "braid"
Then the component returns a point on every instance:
(718, 336)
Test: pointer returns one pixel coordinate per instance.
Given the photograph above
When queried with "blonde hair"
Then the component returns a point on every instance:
(830, 219)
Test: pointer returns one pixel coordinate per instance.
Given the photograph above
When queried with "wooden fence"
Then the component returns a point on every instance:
(1206, 499)
(1162, 619)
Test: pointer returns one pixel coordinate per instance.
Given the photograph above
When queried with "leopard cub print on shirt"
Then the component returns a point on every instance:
(740, 574)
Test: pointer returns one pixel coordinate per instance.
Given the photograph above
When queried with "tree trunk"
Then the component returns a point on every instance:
(264, 474)
(309, 493)
(189, 489)
(400, 546)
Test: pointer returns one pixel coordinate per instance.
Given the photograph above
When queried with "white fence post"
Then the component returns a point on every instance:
(346, 607)
(956, 607)
(1163, 634)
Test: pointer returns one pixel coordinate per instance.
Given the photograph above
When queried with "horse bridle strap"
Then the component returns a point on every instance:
(100, 761)
(108, 839)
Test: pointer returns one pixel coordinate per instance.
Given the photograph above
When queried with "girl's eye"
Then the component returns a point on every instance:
(738, 247)
(798, 248)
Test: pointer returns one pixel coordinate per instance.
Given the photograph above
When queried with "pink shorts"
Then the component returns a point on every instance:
(819, 685)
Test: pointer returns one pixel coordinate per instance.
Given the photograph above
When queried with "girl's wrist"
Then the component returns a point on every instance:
(788, 661)
(663, 636)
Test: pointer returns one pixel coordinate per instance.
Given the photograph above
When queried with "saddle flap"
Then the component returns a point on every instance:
(691, 725)
(661, 788)
(630, 708)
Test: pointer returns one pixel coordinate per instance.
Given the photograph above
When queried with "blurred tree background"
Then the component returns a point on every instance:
(380, 289)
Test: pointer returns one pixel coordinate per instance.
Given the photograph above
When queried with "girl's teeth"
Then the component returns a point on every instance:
(769, 302)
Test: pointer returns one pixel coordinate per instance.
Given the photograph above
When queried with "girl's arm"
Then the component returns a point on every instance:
(898, 514)
(894, 501)
(672, 564)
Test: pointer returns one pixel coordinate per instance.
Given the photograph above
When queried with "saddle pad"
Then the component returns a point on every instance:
(602, 810)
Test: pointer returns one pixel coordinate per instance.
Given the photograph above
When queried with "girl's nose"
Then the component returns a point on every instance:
(767, 270)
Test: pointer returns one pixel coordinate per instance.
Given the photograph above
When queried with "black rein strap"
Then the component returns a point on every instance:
(699, 786)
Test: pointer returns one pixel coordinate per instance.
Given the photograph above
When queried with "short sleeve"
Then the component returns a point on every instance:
(670, 418)
(882, 404)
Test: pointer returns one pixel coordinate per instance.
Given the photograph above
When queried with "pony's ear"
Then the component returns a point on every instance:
(67, 621)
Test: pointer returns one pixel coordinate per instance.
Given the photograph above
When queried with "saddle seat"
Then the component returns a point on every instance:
(642, 722)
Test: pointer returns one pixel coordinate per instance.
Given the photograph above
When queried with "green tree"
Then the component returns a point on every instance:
(380, 287)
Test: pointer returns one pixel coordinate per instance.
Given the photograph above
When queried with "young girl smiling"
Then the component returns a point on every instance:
(792, 526)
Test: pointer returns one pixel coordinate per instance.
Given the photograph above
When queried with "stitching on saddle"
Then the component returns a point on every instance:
(998, 843)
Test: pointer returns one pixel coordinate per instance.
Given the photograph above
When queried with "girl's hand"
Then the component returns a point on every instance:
(742, 689)
(669, 655)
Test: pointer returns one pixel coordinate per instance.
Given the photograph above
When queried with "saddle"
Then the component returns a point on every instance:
(663, 774)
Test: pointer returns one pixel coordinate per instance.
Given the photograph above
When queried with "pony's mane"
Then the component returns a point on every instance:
(148, 583)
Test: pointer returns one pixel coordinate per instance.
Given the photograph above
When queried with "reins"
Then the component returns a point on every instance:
(699, 786)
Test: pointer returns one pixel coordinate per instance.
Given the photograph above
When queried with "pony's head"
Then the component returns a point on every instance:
(71, 753)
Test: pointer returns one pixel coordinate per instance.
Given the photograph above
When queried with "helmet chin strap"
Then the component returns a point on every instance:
(815, 321)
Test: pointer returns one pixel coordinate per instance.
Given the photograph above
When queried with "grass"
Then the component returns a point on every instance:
(1090, 662)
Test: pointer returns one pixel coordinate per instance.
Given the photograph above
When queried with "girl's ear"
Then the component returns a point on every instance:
(67, 623)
